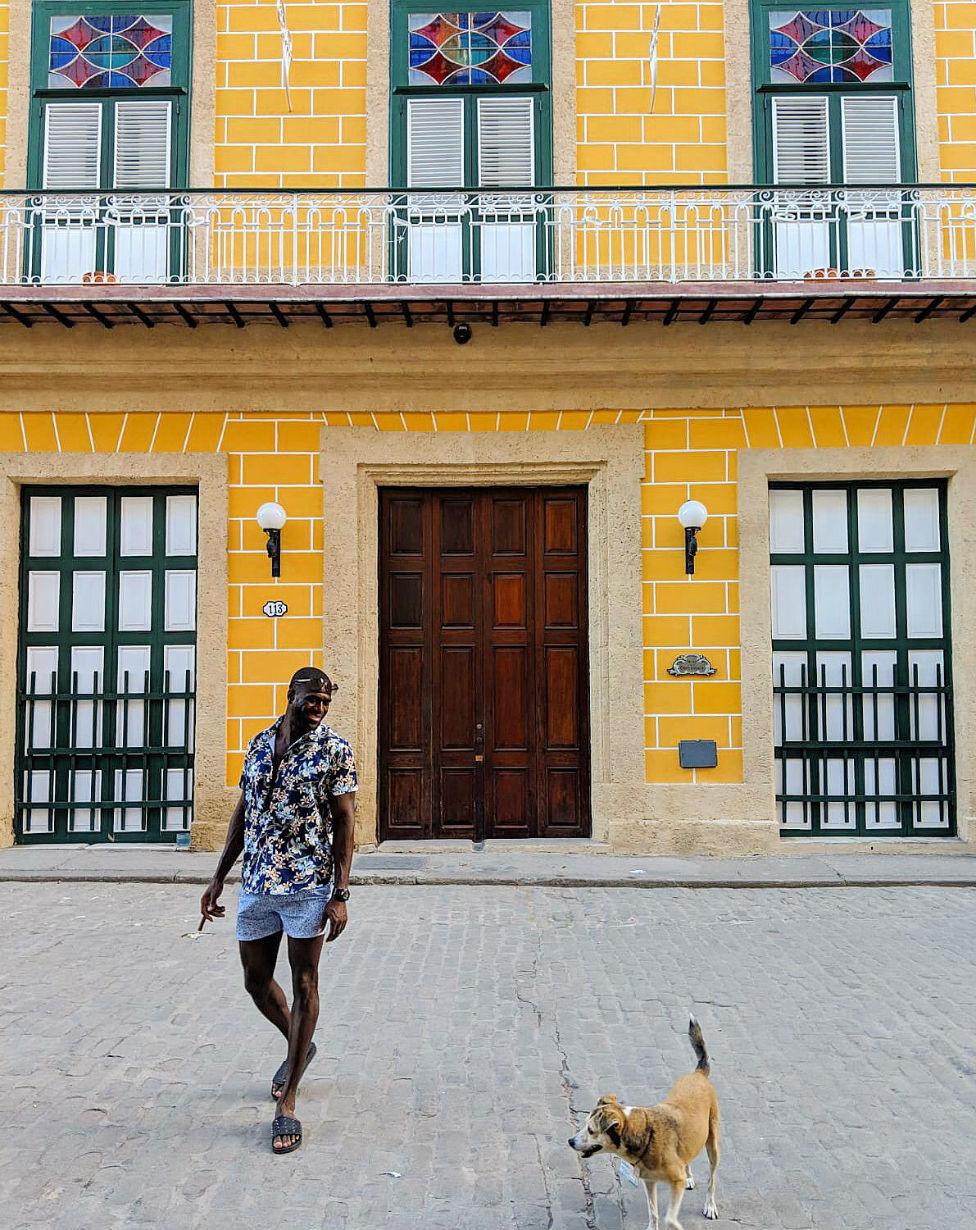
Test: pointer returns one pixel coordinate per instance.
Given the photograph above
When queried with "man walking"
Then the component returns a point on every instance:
(294, 823)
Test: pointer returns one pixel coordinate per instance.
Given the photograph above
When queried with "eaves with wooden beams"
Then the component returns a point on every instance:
(389, 256)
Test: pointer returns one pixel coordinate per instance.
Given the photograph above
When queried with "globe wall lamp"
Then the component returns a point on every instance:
(692, 515)
(271, 518)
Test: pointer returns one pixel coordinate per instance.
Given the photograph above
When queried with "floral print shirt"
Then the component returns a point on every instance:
(288, 818)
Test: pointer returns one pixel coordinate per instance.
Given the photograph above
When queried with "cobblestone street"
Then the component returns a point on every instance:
(463, 1031)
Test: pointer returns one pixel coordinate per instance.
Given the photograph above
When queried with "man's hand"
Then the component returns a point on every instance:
(209, 909)
(336, 915)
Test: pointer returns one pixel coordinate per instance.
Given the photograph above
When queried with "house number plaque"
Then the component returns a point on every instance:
(275, 609)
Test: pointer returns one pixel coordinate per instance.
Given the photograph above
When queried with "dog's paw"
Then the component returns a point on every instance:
(710, 1210)
(689, 1182)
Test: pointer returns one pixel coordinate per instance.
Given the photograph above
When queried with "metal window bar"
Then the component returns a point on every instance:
(160, 764)
(816, 751)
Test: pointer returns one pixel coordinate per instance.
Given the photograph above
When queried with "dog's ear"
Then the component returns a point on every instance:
(608, 1099)
(613, 1132)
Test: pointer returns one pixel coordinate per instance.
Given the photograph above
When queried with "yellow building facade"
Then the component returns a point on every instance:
(800, 365)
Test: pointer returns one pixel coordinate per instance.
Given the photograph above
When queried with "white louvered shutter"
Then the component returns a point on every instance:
(801, 140)
(871, 149)
(435, 143)
(506, 146)
(142, 160)
(72, 146)
(142, 144)
(435, 159)
(872, 155)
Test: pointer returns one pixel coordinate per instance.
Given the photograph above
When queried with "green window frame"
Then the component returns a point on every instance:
(764, 90)
(178, 91)
(892, 733)
(822, 136)
(110, 751)
(139, 237)
(468, 224)
(539, 88)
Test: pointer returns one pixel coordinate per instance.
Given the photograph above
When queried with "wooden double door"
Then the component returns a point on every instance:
(484, 717)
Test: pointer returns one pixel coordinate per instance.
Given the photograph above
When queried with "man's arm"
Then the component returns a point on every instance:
(231, 852)
(343, 808)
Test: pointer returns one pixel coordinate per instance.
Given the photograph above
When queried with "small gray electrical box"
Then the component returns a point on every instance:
(697, 753)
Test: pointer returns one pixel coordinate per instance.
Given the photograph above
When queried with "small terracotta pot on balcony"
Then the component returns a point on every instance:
(98, 276)
(831, 274)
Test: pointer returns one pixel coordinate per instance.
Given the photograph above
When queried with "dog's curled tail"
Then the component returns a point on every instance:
(698, 1045)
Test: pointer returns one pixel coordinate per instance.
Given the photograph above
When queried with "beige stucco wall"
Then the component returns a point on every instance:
(209, 472)
(610, 462)
(518, 367)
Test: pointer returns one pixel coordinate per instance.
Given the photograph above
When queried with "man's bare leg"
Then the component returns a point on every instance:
(258, 958)
(303, 956)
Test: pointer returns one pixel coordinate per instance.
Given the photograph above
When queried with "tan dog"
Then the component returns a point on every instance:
(658, 1142)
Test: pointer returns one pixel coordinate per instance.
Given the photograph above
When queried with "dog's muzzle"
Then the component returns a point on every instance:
(585, 1152)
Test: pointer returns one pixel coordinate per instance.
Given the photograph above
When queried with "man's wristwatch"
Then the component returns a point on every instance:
(340, 894)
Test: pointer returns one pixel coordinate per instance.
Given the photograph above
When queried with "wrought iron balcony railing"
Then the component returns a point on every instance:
(572, 235)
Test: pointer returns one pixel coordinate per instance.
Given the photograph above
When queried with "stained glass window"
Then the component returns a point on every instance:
(110, 52)
(488, 48)
(835, 46)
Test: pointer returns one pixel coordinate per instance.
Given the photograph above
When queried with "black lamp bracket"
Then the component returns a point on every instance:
(691, 548)
(274, 551)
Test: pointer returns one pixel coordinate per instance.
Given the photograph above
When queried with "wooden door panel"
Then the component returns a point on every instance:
(509, 606)
(511, 801)
(405, 535)
(457, 525)
(562, 798)
(457, 799)
(405, 791)
(405, 682)
(483, 701)
(406, 606)
(561, 697)
(560, 526)
(561, 601)
(457, 698)
(457, 600)
(511, 723)
(508, 525)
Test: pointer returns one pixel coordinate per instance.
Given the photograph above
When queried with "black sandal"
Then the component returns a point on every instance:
(285, 1125)
(279, 1078)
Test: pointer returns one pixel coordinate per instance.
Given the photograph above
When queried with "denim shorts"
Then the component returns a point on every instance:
(300, 915)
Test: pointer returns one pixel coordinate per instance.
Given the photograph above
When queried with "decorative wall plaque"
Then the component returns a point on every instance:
(691, 664)
(275, 609)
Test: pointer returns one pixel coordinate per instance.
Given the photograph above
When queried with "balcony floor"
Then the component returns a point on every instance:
(664, 303)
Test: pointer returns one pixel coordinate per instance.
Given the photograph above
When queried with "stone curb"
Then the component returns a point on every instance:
(413, 879)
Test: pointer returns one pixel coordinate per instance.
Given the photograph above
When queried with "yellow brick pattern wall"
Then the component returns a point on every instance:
(621, 140)
(270, 457)
(689, 454)
(693, 454)
(955, 77)
(321, 141)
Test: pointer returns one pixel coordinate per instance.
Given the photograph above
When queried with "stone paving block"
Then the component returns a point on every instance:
(465, 1033)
